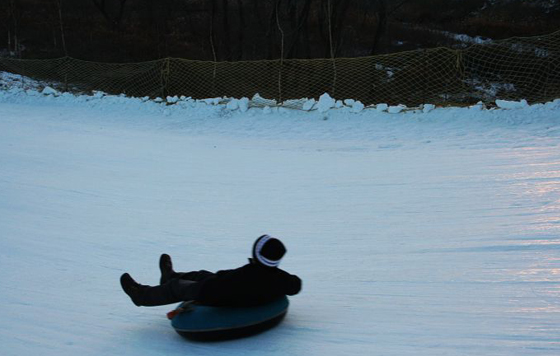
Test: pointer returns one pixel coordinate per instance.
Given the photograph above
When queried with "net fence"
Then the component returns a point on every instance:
(513, 69)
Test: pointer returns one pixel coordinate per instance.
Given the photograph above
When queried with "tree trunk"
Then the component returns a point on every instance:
(212, 40)
(340, 10)
(302, 20)
(324, 27)
(271, 32)
(381, 27)
(113, 21)
(226, 31)
(59, 5)
(13, 15)
(240, 31)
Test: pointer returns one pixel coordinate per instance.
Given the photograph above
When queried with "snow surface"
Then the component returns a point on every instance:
(415, 233)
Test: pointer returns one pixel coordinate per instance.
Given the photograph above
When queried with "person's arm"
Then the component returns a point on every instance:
(292, 284)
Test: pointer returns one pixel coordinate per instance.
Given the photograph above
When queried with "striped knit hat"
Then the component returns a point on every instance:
(268, 251)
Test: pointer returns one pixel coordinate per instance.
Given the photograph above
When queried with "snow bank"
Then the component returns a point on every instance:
(15, 87)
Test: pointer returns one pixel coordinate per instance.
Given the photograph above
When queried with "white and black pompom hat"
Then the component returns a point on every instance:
(268, 251)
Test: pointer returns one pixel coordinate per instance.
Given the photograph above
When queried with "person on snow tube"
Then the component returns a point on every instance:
(258, 282)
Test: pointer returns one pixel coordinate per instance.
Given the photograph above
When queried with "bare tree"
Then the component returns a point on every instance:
(113, 19)
(300, 20)
(240, 31)
(58, 3)
(15, 16)
(272, 30)
(258, 25)
(225, 38)
(212, 35)
(339, 13)
(381, 16)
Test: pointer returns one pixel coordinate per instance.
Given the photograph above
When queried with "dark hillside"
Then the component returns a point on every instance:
(140, 30)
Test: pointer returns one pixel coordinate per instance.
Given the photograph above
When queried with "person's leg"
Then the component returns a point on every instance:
(167, 272)
(174, 291)
(196, 276)
(166, 269)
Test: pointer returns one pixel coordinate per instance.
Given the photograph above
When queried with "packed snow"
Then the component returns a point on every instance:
(416, 231)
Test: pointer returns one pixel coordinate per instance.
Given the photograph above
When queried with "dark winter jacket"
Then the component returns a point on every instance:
(252, 284)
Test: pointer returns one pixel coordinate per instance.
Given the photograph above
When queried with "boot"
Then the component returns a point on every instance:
(131, 288)
(166, 268)
(174, 291)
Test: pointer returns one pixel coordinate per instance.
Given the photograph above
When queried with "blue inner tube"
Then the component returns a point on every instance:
(217, 323)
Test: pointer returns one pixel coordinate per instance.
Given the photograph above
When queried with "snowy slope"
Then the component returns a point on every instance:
(431, 233)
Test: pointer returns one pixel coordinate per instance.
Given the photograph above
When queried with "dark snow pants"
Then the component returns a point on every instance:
(181, 286)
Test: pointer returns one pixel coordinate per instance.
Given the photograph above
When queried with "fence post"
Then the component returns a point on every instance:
(214, 71)
(331, 48)
(66, 65)
(460, 65)
(281, 53)
(22, 74)
(549, 69)
(165, 77)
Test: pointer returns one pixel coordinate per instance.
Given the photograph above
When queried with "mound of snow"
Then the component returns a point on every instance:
(50, 91)
(349, 102)
(233, 104)
(309, 104)
(395, 109)
(243, 104)
(381, 107)
(506, 104)
(212, 101)
(325, 103)
(428, 107)
(172, 99)
(357, 106)
(260, 101)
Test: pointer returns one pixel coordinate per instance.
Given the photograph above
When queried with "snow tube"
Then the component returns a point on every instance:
(201, 322)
